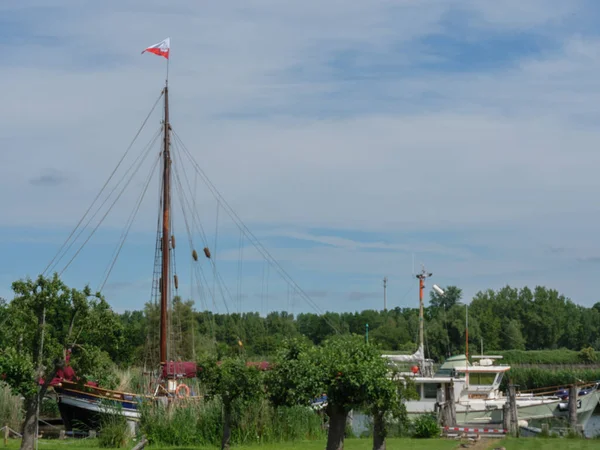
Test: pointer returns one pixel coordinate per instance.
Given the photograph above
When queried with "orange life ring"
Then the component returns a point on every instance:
(185, 388)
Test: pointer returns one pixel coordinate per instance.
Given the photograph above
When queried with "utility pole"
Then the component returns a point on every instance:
(384, 293)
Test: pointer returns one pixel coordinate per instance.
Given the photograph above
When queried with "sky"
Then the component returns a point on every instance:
(356, 140)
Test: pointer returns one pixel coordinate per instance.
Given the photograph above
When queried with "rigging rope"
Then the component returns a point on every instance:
(214, 256)
(107, 212)
(105, 184)
(240, 268)
(218, 277)
(129, 224)
(137, 159)
(264, 252)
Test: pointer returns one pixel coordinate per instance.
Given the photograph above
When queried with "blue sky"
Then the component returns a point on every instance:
(348, 136)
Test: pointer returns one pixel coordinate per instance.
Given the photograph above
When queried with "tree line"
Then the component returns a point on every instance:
(506, 319)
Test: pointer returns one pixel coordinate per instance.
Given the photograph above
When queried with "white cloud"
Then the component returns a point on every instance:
(319, 147)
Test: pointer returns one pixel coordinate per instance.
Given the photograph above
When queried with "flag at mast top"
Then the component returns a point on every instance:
(160, 49)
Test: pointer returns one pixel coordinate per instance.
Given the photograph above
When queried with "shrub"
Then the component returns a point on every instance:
(426, 427)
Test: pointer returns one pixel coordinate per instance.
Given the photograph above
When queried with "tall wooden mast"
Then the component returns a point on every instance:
(166, 231)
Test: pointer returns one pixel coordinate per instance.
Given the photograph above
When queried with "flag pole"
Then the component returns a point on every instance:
(168, 59)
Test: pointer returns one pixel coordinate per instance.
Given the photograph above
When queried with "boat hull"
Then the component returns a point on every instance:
(532, 410)
(82, 407)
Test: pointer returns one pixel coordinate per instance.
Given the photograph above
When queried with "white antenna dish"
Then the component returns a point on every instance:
(438, 289)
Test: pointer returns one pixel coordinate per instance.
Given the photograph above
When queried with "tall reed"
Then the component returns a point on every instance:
(534, 378)
(200, 423)
(11, 408)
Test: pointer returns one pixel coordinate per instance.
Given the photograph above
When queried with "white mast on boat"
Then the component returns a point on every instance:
(422, 277)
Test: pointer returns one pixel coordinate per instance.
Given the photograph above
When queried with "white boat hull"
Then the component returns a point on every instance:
(488, 412)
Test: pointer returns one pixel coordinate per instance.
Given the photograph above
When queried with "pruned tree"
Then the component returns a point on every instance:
(349, 371)
(294, 378)
(44, 318)
(235, 383)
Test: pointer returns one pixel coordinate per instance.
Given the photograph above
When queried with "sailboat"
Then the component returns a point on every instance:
(476, 387)
(80, 402)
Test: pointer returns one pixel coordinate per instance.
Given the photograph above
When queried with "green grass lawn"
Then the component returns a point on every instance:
(350, 444)
(548, 444)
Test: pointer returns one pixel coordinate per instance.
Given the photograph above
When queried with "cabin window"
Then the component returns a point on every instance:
(482, 379)
(430, 390)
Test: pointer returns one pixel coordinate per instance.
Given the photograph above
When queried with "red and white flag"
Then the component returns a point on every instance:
(160, 49)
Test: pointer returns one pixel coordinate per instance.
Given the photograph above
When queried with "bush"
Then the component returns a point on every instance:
(588, 355)
(426, 427)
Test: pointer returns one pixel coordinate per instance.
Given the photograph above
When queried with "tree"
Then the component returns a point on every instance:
(513, 338)
(44, 318)
(349, 371)
(452, 296)
(236, 383)
(389, 402)
(353, 375)
(294, 378)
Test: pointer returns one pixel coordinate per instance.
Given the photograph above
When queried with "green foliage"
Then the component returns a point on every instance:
(513, 337)
(352, 372)
(64, 316)
(549, 357)
(232, 380)
(293, 377)
(93, 364)
(506, 319)
(588, 355)
(49, 408)
(200, 424)
(426, 427)
(18, 372)
(452, 296)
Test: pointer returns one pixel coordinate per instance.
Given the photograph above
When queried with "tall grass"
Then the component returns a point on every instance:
(200, 423)
(11, 408)
(533, 377)
(558, 356)
(113, 427)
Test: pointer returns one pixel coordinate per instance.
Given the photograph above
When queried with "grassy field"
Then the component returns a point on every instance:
(356, 444)
(350, 444)
(548, 444)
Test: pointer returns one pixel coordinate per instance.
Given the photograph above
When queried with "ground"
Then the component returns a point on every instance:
(359, 444)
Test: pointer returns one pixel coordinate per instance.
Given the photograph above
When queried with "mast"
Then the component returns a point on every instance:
(422, 276)
(166, 232)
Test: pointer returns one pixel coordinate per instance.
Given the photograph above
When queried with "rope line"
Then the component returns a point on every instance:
(105, 184)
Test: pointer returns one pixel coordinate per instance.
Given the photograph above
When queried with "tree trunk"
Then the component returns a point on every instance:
(226, 427)
(337, 427)
(379, 431)
(30, 425)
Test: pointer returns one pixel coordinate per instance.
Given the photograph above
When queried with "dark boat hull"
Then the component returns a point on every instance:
(81, 407)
